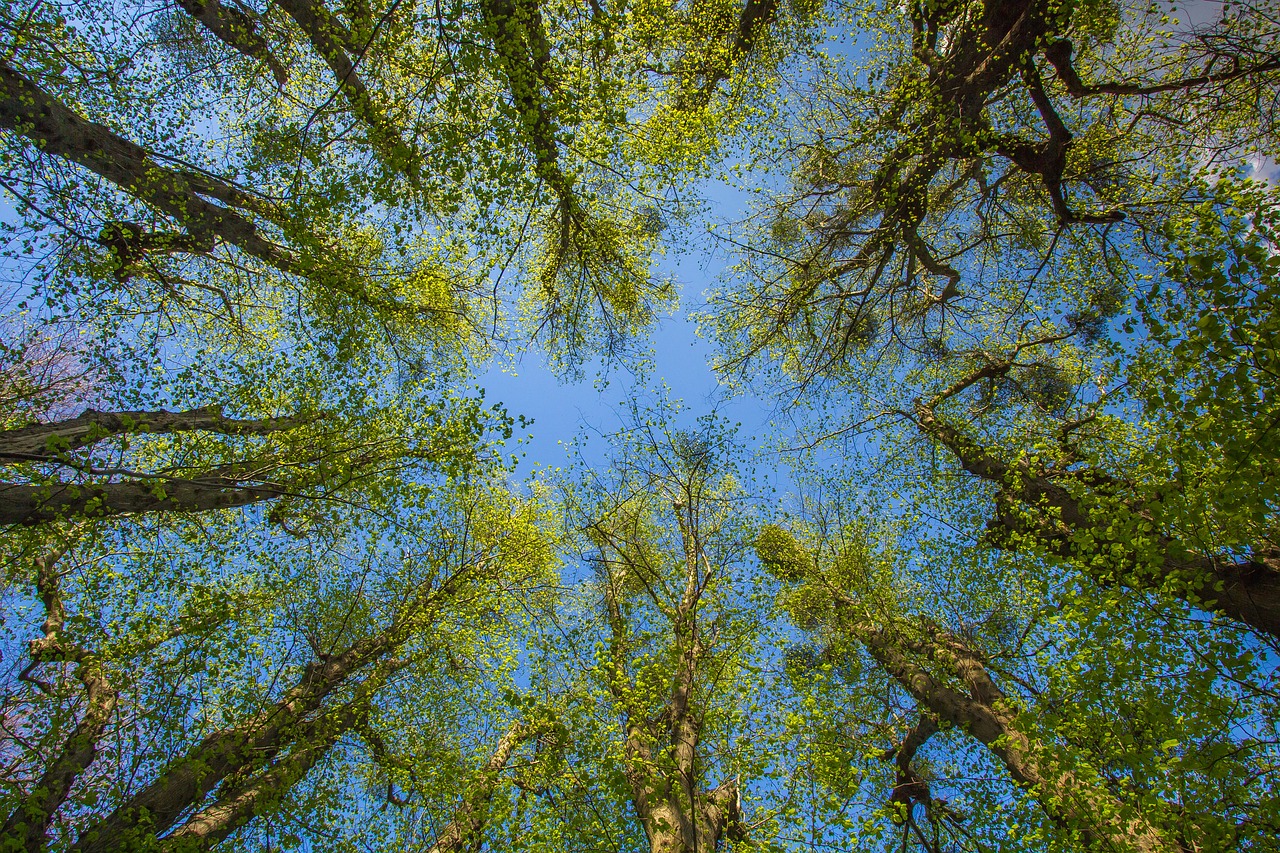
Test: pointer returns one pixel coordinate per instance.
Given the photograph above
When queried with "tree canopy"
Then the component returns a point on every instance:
(1002, 573)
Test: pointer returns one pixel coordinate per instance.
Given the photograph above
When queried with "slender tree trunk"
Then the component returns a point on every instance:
(465, 831)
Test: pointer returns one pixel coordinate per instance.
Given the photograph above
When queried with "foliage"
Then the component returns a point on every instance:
(1010, 280)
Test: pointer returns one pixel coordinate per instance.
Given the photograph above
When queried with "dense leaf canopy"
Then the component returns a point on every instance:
(1006, 281)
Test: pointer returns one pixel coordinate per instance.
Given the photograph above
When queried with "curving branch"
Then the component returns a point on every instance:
(909, 787)
(753, 22)
(26, 827)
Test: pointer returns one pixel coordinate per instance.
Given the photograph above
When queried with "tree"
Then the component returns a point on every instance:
(667, 689)
(964, 174)
(857, 602)
(202, 763)
(268, 583)
(445, 154)
(275, 276)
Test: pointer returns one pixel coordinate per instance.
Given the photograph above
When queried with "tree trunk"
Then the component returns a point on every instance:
(49, 441)
(1247, 592)
(1079, 803)
(28, 110)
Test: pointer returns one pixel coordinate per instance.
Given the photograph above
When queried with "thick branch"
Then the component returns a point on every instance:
(258, 739)
(30, 111)
(1079, 804)
(313, 740)
(29, 505)
(50, 441)
(908, 785)
(1247, 592)
(524, 54)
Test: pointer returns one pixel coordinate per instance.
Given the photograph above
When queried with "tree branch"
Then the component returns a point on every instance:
(235, 28)
(1059, 55)
(52, 440)
(28, 110)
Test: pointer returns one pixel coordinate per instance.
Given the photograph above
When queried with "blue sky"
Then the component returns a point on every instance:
(678, 370)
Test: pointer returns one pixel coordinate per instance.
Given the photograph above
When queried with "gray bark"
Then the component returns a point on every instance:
(49, 441)
(28, 110)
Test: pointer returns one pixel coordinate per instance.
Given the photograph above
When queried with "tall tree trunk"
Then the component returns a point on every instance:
(48, 441)
(1074, 799)
(297, 720)
(1246, 591)
(677, 812)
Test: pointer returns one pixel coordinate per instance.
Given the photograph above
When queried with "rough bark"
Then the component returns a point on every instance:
(49, 441)
(1079, 803)
(237, 807)
(56, 130)
(1247, 592)
(29, 505)
(235, 28)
